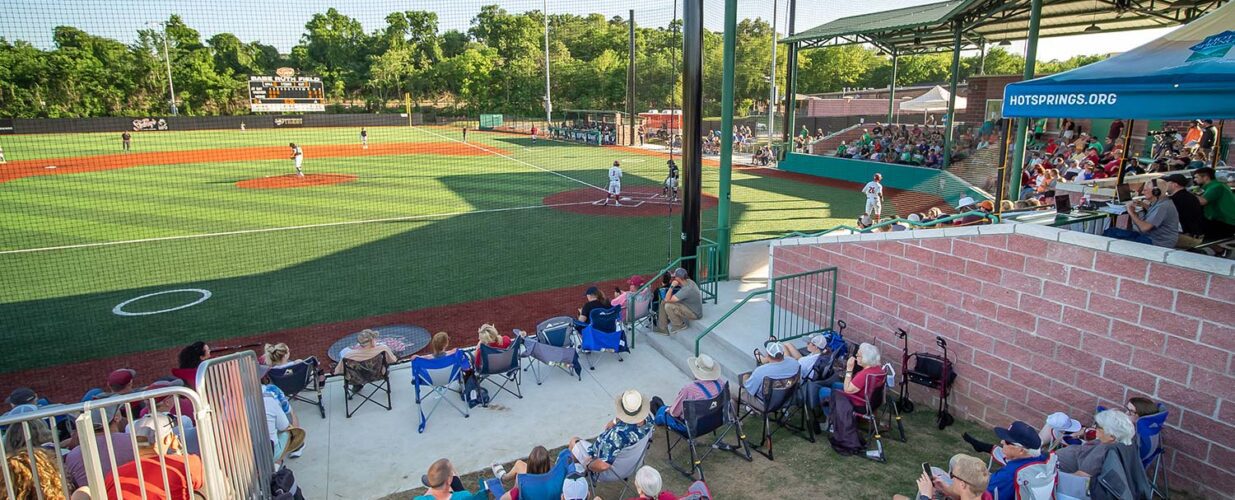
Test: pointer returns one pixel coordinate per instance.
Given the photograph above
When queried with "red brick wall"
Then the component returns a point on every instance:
(1039, 326)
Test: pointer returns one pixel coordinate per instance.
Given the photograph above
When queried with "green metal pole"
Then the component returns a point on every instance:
(892, 91)
(791, 79)
(951, 116)
(726, 135)
(1022, 125)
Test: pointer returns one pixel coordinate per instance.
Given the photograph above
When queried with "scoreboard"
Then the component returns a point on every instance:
(295, 94)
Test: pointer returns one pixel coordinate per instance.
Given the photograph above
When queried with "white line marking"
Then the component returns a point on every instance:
(287, 228)
(559, 174)
(119, 309)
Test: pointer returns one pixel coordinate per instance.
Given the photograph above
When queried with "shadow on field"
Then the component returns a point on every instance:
(363, 270)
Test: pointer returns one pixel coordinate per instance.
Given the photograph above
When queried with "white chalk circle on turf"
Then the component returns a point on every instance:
(119, 309)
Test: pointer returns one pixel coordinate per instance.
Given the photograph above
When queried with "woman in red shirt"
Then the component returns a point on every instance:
(490, 337)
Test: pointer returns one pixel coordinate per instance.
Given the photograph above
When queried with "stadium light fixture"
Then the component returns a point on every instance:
(171, 88)
(1005, 43)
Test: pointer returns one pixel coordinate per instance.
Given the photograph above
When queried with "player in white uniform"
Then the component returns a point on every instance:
(615, 183)
(671, 182)
(297, 158)
(364, 138)
(2, 160)
(874, 197)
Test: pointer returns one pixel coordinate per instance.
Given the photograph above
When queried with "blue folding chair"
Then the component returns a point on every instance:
(547, 486)
(559, 333)
(436, 376)
(1149, 434)
(603, 333)
(500, 368)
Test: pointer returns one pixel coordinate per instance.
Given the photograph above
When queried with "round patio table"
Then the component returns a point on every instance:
(404, 340)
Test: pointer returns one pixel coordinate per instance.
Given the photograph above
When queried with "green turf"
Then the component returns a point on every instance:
(413, 231)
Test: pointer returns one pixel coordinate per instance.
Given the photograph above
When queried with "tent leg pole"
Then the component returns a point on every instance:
(1031, 60)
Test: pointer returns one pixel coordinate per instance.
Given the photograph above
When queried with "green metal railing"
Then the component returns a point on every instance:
(992, 218)
(808, 305)
(707, 276)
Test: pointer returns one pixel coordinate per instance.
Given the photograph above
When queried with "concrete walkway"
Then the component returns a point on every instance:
(378, 452)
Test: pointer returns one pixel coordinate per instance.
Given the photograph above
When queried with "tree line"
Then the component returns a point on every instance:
(494, 66)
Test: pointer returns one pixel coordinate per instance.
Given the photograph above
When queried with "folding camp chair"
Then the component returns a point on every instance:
(500, 367)
(357, 375)
(603, 333)
(716, 416)
(559, 333)
(297, 378)
(876, 399)
(1037, 481)
(777, 398)
(1149, 436)
(625, 464)
(639, 309)
(549, 484)
(435, 377)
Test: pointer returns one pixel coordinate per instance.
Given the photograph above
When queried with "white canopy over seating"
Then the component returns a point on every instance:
(935, 99)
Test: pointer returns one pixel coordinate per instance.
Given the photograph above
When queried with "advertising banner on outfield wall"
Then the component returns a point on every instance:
(288, 121)
(6, 126)
(149, 124)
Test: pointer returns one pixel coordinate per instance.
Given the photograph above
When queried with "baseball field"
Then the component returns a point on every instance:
(233, 246)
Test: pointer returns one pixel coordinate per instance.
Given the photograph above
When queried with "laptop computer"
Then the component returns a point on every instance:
(1123, 193)
(1063, 204)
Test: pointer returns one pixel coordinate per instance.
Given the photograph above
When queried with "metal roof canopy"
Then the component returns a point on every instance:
(929, 28)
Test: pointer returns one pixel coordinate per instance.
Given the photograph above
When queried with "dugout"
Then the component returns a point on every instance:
(595, 126)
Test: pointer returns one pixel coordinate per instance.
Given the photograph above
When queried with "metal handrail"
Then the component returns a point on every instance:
(917, 225)
(773, 331)
(706, 331)
(708, 287)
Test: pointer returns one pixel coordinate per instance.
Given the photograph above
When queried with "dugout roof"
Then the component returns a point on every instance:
(929, 28)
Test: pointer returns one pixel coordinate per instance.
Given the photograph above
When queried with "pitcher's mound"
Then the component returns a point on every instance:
(293, 181)
(637, 201)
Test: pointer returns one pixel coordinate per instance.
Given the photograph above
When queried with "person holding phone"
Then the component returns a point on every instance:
(966, 479)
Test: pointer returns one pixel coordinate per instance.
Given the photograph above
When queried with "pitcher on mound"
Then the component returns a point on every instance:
(615, 183)
(297, 158)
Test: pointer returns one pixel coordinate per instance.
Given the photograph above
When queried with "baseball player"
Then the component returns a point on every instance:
(534, 130)
(2, 160)
(615, 183)
(297, 158)
(465, 133)
(874, 197)
(671, 182)
(364, 138)
(126, 140)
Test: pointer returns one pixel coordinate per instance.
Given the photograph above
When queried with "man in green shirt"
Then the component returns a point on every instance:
(1219, 205)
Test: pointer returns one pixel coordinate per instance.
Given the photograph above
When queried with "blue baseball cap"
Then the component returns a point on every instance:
(1020, 434)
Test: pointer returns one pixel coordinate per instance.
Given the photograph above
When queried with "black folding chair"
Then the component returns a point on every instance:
(298, 378)
(869, 414)
(715, 416)
(373, 372)
(777, 400)
(500, 367)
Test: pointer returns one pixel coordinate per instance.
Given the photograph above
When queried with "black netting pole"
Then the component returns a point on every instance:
(692, 115)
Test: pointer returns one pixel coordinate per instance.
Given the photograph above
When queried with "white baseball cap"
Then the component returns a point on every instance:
(774, 349)
(820, 341)
(966, 201)
(574, 489)
(1061, 422)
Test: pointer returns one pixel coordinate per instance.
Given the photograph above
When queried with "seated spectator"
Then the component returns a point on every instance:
(538, 462)
(119, 381)
(438, 346)
(279, 356)
(40, 436)
(707, 384)
(182, 411)
(269, 389)
(23, 400)
(368, 348)
(1112, 429)
(1219, 204)
(680, 305)
(41, 481)
(966, 479)
(632, 286)
(490, 337)
(1059, 430)
(157, 442)
(1021, 446)
(1160, 224)
(74, 461)
(575, 488)
(595, 300)
(649, 486)
(632, 424)
(189, 359)
(1191, 213)
(1137, 407)
(863, 374)
(774, 364)
(285, 438)
(443, 483)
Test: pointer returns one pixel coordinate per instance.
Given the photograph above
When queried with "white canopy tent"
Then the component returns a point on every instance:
(935, 99)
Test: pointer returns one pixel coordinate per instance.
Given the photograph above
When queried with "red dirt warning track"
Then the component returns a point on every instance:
(290, 181)
(640, 201)
(14, 170)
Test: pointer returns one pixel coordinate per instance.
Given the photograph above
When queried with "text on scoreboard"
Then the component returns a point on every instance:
(295, 94)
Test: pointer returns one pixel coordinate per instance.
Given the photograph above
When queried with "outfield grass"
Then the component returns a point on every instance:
(413, 231)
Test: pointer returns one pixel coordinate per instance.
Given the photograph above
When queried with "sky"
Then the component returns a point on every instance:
(281, 22)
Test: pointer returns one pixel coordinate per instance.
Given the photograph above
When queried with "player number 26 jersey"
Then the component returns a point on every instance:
(615, 174)
(873, 189)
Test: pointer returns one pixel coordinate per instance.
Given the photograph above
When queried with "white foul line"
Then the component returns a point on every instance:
(482, 148)
(287, 228)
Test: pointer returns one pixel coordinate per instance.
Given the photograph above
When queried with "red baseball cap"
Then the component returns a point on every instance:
(636, 281)
(121, 377)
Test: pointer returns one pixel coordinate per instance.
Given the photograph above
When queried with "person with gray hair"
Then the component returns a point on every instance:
(682, 304)
(1113, 428)
(863, 374)
(648, 484)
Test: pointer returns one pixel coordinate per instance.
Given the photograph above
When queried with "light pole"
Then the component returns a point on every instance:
(772, 95)
(548, 100)
(171, 89)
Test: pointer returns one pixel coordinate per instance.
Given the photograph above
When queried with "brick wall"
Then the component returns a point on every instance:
(1038, 325)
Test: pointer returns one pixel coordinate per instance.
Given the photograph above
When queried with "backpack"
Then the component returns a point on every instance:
(473, 394)
(845, 438)
(1037, 481)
